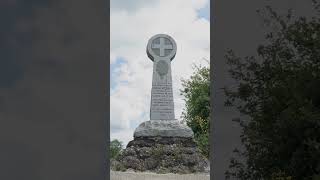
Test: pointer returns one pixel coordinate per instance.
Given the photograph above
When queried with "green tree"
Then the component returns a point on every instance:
(115, 148)
(196, 92)
(278, 92)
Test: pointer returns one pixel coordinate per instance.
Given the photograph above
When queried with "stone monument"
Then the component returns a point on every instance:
(162, 144)
(161, 49)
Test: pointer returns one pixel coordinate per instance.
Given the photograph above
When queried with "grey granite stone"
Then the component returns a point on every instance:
(146, 142)
(163, 128)
(161, 49)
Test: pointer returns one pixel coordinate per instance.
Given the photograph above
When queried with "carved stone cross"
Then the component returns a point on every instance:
(161, 50)
(162, 46)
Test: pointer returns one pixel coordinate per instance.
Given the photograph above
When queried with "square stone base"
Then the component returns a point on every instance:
(163, 128)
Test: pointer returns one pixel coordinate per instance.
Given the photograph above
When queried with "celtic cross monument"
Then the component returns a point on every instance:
(161, 49)
(157, 141)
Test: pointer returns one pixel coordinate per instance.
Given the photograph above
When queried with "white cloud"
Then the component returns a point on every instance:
(130, 32)
(112, 57)
(129, 5)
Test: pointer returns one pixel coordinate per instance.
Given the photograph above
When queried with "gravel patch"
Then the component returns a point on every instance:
(116, 175)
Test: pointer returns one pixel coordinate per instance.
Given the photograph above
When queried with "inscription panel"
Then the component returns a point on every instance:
(162, 107)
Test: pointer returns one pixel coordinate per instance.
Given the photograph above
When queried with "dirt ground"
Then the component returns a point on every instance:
(115, 175)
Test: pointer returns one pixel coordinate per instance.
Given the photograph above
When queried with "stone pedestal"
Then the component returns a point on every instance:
(162, 146)
(163, 128)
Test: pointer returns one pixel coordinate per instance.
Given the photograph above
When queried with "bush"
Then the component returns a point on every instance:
(115, 148)
(196, 92)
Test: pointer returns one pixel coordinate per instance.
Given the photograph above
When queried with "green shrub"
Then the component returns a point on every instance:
(115, 148)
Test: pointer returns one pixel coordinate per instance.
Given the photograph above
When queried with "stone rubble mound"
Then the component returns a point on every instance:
(161, 155)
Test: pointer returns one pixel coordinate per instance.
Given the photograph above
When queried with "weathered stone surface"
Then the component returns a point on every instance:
(162, 155)
(132, 162)
(144, 142)
(161, 46)
(151, 163)
(163, 128)
(129, 152)
(143, 152)
(161, 49)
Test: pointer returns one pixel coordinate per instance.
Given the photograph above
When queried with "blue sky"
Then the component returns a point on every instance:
(132, 24)
(205, 12)
(113, 72)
